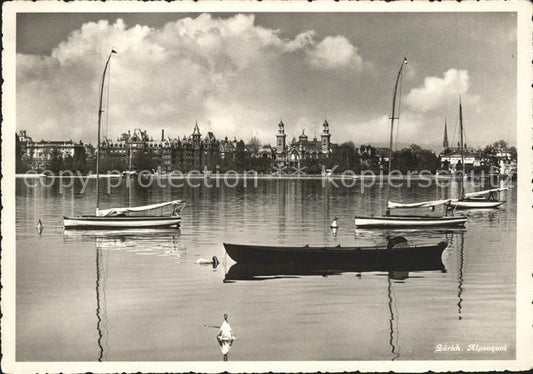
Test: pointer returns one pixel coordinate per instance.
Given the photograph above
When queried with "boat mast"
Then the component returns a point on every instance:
(392, 118)
(99, 126)
(462, 148)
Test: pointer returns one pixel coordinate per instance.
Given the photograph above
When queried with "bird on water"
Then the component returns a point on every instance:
(39, 227)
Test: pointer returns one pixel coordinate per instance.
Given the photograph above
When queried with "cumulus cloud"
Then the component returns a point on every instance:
(225, 72)
(376, 130)
(439, 92)
(334, 52)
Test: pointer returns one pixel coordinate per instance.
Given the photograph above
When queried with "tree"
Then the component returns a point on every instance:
(55, 161)
(346, 157)
(513, 152)
(68, 163)
(415, 158)
(80, 159)
(240, 156)
(254, 144)
(500, 144)
(260, 164)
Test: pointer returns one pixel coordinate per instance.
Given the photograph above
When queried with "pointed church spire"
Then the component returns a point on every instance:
(196, 130)
(445, 141)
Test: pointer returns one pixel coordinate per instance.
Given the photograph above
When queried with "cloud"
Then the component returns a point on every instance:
(437, 93)
(334, 52)
(228, 73)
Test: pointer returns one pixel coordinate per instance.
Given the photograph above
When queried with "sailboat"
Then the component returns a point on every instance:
(474, 200)
(128, 217)
(404, 221)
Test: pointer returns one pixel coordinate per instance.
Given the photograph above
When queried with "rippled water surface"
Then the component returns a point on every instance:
(139, 295)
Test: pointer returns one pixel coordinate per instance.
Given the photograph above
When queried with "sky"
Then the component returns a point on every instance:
(238, 74)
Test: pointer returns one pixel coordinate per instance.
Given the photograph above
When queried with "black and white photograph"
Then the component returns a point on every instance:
(268, 186)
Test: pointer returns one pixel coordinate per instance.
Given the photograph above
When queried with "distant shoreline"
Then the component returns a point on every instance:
(249, 176)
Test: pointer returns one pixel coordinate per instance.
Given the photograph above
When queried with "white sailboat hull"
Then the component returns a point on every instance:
(93, 222)
(475, 204)
(409, 221)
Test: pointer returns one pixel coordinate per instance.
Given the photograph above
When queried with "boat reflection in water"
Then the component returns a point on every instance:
(138, 240)
(258, 272)
(396, 273)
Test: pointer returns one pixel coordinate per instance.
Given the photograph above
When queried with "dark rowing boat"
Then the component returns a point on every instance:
(396, 251)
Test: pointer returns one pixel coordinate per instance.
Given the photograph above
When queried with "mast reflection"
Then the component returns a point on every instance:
(460, 282)
(162, 240)
(393, 340)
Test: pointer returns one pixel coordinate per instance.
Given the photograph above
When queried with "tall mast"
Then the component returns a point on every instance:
(99, 126)
(392, 118)
(462, 147)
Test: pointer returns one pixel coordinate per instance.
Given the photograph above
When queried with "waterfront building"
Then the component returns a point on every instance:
(450, 158)
(37, 154)
(137, 151)
(303, 148)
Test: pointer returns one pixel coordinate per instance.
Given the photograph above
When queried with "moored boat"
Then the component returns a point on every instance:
(473, 200)
(476, 203)
(410, 221)
(403, 221)
(395, 251)
(119, 218)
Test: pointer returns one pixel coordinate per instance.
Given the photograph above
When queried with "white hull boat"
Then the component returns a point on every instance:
(473, 200)
(123, 217)
(409, 221)
(476, 203)
(94, 222)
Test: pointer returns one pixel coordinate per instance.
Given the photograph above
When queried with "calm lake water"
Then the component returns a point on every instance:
(140, 296)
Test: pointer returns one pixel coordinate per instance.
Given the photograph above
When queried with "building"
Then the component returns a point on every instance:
(303, 148)
(450, 158)
(37, 155)
(137, 151)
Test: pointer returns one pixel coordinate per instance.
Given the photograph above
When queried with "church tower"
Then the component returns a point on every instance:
(325, 136)
(196, 136)
(445, 141)
(281, 138)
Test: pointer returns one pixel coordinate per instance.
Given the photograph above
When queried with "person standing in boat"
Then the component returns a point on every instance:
(225, 337)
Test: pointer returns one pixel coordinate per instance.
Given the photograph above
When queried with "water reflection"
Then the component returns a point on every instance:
(101, 307)
(261, 272)
(142, 241)
(460, 246)
(393, 330)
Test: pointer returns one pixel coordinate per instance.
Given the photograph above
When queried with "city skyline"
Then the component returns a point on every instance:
(239, 74)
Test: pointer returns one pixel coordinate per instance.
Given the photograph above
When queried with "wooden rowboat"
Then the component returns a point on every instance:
(394, 252)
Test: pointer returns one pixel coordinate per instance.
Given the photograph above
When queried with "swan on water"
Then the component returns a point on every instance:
(202, 261)
(225, 337)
